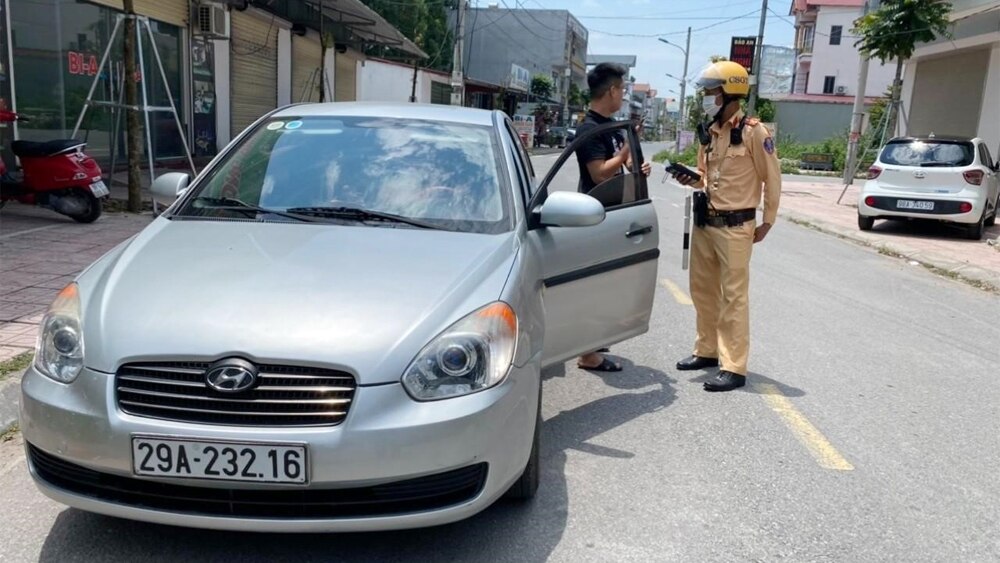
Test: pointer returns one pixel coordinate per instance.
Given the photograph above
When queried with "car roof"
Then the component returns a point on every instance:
(428, 112)
(945, 138)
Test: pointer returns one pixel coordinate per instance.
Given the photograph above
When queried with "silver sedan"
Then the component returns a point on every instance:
(339, 325)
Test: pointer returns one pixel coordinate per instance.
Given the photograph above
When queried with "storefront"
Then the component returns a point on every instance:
(307, 61)
(51, 52)
(346, 76)
(57, 46)
(254, 52)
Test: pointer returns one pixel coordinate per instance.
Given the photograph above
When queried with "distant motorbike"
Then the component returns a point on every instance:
(56, 175)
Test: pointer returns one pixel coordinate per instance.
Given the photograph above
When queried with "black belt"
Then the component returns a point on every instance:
(730, 218)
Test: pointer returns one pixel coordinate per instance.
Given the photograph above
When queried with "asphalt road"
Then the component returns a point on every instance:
(868, 433)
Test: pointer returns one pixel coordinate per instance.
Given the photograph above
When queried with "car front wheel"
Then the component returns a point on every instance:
(527, 484)
(865, 223)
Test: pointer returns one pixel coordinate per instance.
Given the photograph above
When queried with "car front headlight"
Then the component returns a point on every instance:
(59, 354)
(473, 355)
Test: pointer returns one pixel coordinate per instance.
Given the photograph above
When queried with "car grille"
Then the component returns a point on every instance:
(286, 395)
(433, 492)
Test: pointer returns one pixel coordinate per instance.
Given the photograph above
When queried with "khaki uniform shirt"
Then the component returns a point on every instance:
(733, 174)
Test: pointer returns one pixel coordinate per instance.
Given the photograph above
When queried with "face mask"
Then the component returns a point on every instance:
(710, 107)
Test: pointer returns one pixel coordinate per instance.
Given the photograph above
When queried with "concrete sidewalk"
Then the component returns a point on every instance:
(940, 247)
(40, 252)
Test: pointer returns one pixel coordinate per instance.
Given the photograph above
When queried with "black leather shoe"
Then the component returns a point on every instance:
(696, 362)
(725, 381)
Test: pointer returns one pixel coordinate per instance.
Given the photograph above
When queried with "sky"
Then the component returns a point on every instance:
(631, 27)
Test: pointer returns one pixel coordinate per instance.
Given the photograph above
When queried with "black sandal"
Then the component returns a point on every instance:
(605, 366)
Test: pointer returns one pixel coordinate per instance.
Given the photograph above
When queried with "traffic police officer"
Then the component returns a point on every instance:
(736, 159)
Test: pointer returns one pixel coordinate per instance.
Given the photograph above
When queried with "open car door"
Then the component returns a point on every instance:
(599, 280)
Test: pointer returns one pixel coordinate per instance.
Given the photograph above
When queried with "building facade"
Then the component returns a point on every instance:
(507, 48)
(827, 61)
(223, 71)
(952, 85)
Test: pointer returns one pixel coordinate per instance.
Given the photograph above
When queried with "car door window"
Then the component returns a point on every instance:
(625, 188)
(526, 172)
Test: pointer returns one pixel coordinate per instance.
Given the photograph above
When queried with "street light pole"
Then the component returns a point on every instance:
(683, 81)
(568, 75)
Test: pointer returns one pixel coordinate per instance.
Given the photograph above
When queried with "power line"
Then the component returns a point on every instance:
(667, 34)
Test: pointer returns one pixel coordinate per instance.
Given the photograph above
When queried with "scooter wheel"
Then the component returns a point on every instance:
(94, 208)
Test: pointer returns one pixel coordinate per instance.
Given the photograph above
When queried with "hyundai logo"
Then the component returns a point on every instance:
(231, 376)
(919, 174)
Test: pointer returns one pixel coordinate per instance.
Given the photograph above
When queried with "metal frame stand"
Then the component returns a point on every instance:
(142, 22)
(310, 86)
(882, 126)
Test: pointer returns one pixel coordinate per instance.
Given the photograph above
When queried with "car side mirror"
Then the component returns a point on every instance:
(570, 209)
(168, 187)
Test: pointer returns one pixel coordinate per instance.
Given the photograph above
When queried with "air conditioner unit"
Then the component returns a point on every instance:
(841, 90)
(211, 21)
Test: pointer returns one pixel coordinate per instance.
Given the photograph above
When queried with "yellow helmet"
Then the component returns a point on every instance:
(731, 77)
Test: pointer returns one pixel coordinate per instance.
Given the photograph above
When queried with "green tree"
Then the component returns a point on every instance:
(425, 22)
(893, 31)
(576, 96)
(765, 110)
(542, 86)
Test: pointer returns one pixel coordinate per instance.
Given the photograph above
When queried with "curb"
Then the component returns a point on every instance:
(987, 280)
(10, 395)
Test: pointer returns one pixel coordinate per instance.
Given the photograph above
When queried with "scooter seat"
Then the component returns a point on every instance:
(47, 148)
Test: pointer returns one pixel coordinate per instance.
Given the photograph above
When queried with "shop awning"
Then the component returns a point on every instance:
(365, 25)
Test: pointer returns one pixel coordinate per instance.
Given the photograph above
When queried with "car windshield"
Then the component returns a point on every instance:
(441, 174)
(928, 153)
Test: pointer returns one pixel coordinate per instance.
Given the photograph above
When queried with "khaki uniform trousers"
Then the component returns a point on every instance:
(720, 285)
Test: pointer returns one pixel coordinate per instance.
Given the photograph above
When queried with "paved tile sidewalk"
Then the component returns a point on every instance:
(40, 252)
(932, 244)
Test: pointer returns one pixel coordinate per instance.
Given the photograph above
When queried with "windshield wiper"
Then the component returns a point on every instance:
(233, 204)
(359, 214)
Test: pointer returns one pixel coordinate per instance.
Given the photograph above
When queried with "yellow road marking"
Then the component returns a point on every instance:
(826, 455)
(679, 294)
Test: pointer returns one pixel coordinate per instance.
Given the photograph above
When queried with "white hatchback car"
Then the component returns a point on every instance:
(952, 179)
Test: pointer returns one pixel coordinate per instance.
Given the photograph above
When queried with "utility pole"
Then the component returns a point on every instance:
(457, 79)
(680, 124)
(859, 109)
(755, 75)
(322, 60)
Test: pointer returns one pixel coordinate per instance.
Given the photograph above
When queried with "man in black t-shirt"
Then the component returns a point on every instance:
(603, 156)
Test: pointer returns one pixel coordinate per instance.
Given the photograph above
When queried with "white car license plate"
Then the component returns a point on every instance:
(224, 461)
(99, 189)
(918, 205)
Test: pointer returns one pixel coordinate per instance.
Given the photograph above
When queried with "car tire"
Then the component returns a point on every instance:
(526, 486)
(865, 223)
(993, 218)
(975, 232)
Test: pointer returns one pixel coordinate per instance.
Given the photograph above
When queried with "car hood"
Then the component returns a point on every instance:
(359, 298)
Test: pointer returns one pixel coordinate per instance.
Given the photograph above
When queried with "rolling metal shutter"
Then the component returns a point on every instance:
(345, 88)
(254, 62)
(174, 12)
(307, 58)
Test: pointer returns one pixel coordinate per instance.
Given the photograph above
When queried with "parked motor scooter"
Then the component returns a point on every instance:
(56, 175)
